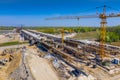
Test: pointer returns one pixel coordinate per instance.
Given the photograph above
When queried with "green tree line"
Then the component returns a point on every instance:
(112, 34)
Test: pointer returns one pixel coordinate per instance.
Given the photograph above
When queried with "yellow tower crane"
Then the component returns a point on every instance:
(62, 31)
(62, 34)
(103, 31)
(103, 16)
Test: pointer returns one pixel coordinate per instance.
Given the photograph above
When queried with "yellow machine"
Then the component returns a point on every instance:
(61, 30)
(62, 35)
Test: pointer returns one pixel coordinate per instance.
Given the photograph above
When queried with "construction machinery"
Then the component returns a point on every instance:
(103, 16)
(62, 32)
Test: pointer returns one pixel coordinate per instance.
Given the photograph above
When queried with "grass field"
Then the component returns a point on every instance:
(86, 35)
(11, 43)
(92, 36)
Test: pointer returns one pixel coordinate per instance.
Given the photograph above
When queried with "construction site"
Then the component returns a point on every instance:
(44, 56)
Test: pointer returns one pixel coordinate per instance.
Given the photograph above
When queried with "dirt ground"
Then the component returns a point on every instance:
(4, 38)
(116, 43)
(6, 70)
(40, 67)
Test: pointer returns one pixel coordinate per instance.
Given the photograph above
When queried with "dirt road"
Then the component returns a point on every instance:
(40, 68)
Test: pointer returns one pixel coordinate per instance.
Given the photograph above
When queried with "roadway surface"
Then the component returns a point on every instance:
(40, 67)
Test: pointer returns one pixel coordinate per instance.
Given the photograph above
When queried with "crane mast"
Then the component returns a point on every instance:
(103, 32)
(62, 36)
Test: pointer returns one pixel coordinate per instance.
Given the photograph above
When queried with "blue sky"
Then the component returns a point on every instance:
(34, 12)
